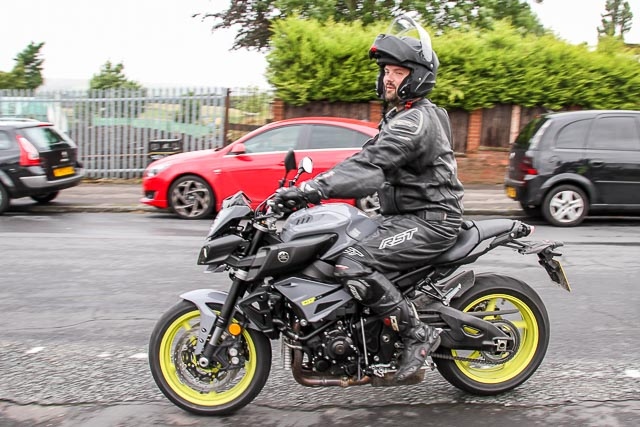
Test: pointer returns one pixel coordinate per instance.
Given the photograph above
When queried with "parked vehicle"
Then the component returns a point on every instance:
(36, 160)
(210, 354)
(194, 184)
(570, 164)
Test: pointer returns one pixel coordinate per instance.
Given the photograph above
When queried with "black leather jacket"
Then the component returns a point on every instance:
(410, 163)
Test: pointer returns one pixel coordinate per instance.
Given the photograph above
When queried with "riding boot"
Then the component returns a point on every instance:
(375, 291)
(419, 340)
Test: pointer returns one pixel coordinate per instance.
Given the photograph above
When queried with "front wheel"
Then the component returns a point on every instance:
(191, 197)
(214, 390)
(525, 320)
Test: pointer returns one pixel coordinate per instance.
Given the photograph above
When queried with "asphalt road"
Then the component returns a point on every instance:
(81, 292)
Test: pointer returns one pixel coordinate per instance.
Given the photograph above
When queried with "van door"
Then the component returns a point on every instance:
(613, 158)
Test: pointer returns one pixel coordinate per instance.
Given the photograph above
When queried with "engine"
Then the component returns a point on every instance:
(336, 351)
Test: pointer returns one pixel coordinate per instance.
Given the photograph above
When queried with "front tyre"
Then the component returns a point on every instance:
(525, 319)
(191, 197)
(212, 390)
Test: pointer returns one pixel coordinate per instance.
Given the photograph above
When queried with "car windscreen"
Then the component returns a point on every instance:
(526, 134)
(46, 138)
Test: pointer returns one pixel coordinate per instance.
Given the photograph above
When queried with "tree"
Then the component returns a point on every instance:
(616, 21)
(255, 18)
(112, 80)
(112, 77)
(27, 72)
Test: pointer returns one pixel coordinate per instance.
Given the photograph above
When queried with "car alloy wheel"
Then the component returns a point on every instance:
(191, 197)
(565, 206)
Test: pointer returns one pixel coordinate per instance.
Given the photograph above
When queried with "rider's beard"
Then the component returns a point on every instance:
(391, 95)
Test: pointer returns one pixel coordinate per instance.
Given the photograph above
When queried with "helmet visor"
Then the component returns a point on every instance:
(405, 26)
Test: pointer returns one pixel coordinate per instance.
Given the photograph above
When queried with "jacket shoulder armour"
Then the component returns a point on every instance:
(411, 121)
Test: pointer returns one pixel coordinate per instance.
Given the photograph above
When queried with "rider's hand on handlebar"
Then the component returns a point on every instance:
(289, 198)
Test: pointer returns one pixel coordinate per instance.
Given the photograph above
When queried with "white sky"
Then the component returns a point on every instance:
(159, 42)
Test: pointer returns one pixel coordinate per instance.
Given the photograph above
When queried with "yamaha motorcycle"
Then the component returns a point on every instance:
(211, 354)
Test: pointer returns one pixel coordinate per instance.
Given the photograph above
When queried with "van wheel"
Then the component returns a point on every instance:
(565, 206)
(4, 199)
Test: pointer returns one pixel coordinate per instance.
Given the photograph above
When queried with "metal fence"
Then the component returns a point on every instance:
(114, 128)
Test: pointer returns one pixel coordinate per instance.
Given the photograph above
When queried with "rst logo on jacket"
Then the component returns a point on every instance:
(398, 238)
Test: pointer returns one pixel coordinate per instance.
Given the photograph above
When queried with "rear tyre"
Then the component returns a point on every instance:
(190, 197)
(565, 206)
(45, 198)
(527, 321)
(213, 390)
(4, 199)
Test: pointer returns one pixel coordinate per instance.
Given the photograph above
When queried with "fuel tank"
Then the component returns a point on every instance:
(347, 222)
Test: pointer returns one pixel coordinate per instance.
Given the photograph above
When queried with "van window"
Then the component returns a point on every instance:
(573, 135)
(615, 133)
(5, 141)
(526, 134)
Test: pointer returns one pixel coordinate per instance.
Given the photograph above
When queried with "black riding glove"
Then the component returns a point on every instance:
(312, 192)
(289, 197)
(292, 197)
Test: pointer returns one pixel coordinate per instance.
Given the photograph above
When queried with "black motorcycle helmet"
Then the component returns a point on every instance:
(416, 54)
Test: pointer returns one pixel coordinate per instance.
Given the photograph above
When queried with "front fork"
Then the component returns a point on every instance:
(219, 325)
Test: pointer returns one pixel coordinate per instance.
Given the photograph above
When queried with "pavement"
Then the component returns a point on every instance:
(115, 196)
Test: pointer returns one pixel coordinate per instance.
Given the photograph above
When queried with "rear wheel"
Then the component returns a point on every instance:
(4, 199)
(214, 390)
(45, 198)
(190, 197)
(565, 206)
(525, 319)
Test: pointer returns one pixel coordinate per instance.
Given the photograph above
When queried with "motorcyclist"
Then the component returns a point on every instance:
(411, 165)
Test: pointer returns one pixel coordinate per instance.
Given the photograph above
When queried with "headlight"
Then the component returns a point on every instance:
(155, 170)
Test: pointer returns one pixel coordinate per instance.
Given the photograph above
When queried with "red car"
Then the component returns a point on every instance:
(194, 184)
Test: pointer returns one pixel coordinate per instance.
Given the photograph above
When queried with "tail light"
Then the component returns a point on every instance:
(526, 166)
(29, 155)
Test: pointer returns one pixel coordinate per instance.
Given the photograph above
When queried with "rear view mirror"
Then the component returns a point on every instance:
(290, 161)
(238, 149)
(306, 164)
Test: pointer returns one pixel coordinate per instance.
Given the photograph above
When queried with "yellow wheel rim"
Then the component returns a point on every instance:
(174, 373)
(525, 322)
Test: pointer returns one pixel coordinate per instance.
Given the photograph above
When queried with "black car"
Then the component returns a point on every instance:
(36, 160)
(567, 165)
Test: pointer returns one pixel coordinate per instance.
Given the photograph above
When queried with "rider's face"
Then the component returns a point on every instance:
(393, 77)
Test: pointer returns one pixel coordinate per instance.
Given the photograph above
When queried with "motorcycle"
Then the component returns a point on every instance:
(211, 354)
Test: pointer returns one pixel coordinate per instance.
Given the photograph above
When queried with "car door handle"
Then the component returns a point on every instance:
(597, 163)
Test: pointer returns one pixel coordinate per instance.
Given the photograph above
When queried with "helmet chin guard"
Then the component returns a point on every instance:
(408, 45)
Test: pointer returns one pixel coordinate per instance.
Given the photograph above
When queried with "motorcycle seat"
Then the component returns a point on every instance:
(471, 234)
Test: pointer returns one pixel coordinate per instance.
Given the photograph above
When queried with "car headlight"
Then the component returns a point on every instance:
(155, 170)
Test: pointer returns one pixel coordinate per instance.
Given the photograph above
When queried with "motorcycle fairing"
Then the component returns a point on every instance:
(315, 300)
(216, 251)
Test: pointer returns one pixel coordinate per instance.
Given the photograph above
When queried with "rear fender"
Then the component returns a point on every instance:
(567, 178)
(200, 298)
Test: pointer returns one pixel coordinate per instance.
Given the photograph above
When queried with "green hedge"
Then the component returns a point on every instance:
(310, 61)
